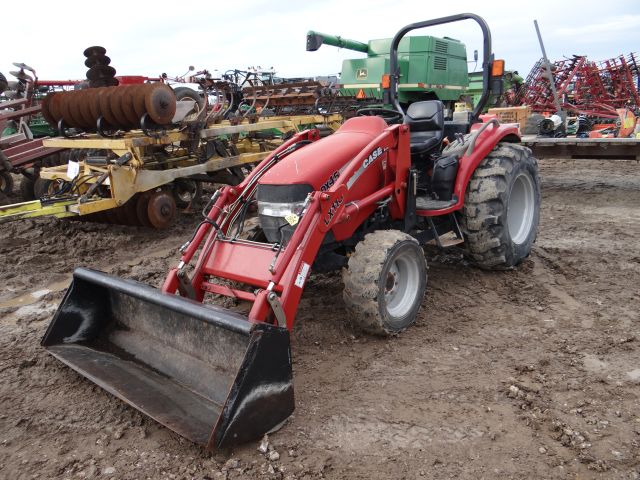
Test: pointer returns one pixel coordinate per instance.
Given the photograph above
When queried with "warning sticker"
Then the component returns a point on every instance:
(302, 275)
(292, 219)
(73, 169)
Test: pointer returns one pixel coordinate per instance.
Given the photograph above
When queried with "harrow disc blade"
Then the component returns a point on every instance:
(116, 106)
(95, 50)
(160, 103)
(100, 72)
(105, 107)
(97, 59)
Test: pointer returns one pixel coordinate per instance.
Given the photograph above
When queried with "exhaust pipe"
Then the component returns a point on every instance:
(206, 373)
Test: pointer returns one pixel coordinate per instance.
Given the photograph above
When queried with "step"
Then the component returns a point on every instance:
(428, 203)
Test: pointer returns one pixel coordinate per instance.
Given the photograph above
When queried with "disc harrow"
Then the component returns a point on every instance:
(123, 107)
(100, 73)
(299, 98)
(153, 209)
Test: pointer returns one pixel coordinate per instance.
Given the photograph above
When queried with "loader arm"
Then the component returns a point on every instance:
(279, 274)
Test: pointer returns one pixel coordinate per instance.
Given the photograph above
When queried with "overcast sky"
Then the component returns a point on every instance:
(148, 38)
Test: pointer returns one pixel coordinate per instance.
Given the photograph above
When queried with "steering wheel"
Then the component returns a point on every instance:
(389, 116)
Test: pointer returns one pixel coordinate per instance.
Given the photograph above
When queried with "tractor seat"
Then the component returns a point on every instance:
(426, 124)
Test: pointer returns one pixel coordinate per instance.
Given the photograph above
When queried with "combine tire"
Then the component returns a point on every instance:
(385, 282)
(6, 183)
(502, 208)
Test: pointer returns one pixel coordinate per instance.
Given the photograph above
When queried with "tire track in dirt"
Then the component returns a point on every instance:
(435, 402)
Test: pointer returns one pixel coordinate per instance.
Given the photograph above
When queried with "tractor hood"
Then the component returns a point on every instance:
(319, 164)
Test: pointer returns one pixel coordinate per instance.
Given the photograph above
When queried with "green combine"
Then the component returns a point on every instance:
(430, 67)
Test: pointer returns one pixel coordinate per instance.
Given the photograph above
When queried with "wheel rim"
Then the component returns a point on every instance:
(521, 208)
(401, 285)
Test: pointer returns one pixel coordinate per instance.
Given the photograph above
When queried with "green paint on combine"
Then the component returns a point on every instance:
(430, 67)
(511, 81)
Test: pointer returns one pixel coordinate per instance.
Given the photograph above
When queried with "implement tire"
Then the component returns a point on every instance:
(385, 282)
(502, 208)
(190, 93)
(6, 183)
(27, 188)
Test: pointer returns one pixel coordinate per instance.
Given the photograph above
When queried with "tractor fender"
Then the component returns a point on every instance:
(485, 143)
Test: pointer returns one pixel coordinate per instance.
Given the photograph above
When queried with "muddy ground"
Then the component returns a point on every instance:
(532, 373)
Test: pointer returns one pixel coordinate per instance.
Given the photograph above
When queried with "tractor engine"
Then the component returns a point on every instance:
(283, 189)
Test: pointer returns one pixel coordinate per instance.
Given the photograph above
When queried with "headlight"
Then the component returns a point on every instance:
(275, 202)
(275, 209)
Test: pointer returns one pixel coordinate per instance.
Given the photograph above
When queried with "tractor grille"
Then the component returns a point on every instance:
(441, 47)
(440, 63)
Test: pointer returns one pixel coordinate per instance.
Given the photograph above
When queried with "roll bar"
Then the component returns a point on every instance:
(487, 57)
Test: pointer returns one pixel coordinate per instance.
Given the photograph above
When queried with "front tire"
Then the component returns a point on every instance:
(385, 282)
(502, 208)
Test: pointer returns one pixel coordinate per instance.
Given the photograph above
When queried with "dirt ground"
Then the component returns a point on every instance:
(532, 373)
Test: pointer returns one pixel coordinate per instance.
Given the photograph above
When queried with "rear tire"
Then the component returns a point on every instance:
(502, 208)
(385, 282)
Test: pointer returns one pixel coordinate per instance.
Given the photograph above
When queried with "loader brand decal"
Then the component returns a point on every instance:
(302, 275)
(361, 74)
(333, 209)
(373, 156)
(330, 181)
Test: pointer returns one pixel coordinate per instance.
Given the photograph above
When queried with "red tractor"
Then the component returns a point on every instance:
(364, 200)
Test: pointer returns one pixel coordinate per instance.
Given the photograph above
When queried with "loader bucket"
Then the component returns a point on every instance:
(205, 372)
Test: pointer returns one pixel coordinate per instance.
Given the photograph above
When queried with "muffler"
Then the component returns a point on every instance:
(206, 373)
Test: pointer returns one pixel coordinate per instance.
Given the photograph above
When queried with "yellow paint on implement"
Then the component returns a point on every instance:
(133, 139)
(35, 208)
(144, 172)
(332, 121)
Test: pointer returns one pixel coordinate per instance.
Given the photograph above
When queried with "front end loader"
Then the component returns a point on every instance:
(364, 200)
